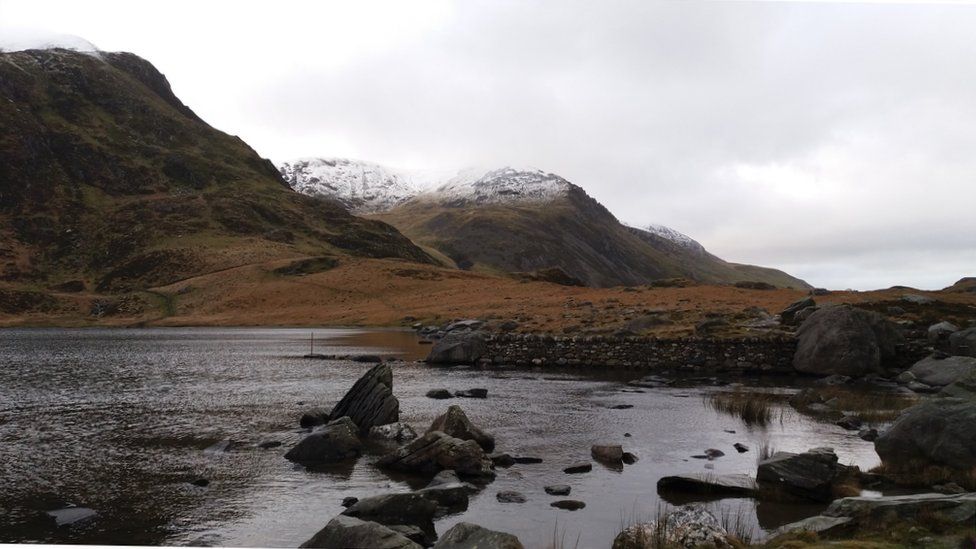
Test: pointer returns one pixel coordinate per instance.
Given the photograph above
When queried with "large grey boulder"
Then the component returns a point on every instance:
(959, 508)
(709, 484)
(788, 316)
(940, 431)
(810, 475)
(335, 442)
(410, 509)
(939, 370)
(465, 535)
(964, 387)
(841, 339)
(941, 331)
(458, 348)
(455, 423)
(348, 532)
(370, 402)
(963, 343)
(435, 452)
(686, 526)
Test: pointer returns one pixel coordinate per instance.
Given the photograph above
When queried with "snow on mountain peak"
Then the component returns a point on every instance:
(503, 185)
(363, 187)
(674, 236)
(19, 39)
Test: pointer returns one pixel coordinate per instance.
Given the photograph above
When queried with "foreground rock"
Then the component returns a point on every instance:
(337, 441)
(818, 524)
(370, 402)
(72, 516)
(810, 475)
(448, 492)
(686, 526)
(458, 348)
(940, 370)
(465, 535)
(345, 531)
(940, 431)
(963, 343)
(455, 423)
(436, 451)
(705, 483)
(409, 509)
(960, 508)
(841, 339)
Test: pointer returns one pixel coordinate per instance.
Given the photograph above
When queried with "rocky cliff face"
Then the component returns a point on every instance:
(108, 180)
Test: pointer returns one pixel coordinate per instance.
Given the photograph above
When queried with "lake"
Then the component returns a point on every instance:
(122, 420)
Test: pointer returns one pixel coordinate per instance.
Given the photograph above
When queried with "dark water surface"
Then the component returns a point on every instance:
(122, 420)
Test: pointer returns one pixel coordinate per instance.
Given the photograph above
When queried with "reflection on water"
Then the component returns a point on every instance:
(121, 421)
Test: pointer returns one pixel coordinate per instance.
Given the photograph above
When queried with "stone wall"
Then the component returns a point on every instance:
(740, 355)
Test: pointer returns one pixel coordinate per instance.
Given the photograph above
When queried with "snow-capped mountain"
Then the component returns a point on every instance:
(13, 39)
(363, 187)
(500, 186)
(676, 237)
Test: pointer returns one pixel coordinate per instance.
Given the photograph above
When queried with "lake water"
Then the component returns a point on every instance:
(122, 420)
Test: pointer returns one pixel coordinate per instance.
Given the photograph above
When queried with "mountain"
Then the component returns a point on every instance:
(109, 183)
(362, 187)
(524, 220)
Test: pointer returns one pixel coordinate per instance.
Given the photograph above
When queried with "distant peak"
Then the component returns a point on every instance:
(672, 235)
(19, 39)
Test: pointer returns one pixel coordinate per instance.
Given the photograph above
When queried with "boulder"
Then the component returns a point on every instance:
(370, 402)
(941, 331)
(458, 348)
(448, 492)
(455, 423)
(436, 451)
(841, 339)
(396, 432)
(465, 535)
(335, 442)
(611, 454)
(960, 508)
(939, 431)
(808, 476)
(939, 370)
(787, 316)
(964, 387)
(345, 531)
(963, 343)
(410, 509)
(707, 483)
(686, 526)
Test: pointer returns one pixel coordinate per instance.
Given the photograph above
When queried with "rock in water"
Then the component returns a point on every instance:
(439, 394)
(686, 526)
(337, 441)
(510, 496)
(959, 508)
(940, 431)
(465, 535)
(458, 348)
(314, 417)
(577, 468)
(345, 531)
(397, 432)
(558, 490)
(611, 454)
(411, 509)
(455, 423)
(707, 483)
(809, 475)
(568, 504)
(448, 492)
(370, 402)
(939, 370)
(70, 516)
(436, 451)
(840, 339)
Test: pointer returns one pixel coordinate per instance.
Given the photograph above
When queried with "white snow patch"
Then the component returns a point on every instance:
(13, 39)
(672, 235)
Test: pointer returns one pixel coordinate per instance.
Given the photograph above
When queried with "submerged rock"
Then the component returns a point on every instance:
(455, 423)
(510, 496)
(581, 467)
(707, 483)
(472, 393)
(314, 417)
(809, 475)
(346, 531)
(465, 535)
(337, 441)
(72, 516)
(448, 492)
(439, 394)
(568, 504)
(411, 509)
(436, 451)
(818, 524)
(558, 490)
(370, 401)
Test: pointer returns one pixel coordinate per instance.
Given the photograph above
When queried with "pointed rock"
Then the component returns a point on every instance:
(370, 402)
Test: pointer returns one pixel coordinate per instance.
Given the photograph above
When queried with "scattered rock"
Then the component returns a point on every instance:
(346, 531)
(941, 331)
(439, 394)
(809, 475)
(621, 406)
(509, 496)
(869, 435)
(686, 526)
(558, 490)
(465, 535)
(939, 431)
(581, 467)
(840, 339)
(609, 454)
(788, 314)
(709, 325)
(896, 311)
(458, 348)
(390, 509)
(964, 387)
(219, 447)
(201, 482)
(397, 432)
(349, 501)
(448, 491)
(833, 380)
(963, 343)
(436, 451)
(713, 453)
(72, 516)
(940, 370)
(314, 417)
(950, 488)
(905, 377)
(472, 393)
(568, 504)
(707, 483)
(268, 444)
(917, 299)
(819, 291)
(526, 460)
(819, 524)
(502, 460)
(629, 458)
(455, 423)
(741, 448)
(851, 423)
(959, 508)
(337, 441)
(370, 402)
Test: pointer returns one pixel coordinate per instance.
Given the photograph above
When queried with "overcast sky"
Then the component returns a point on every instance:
(836, 141)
